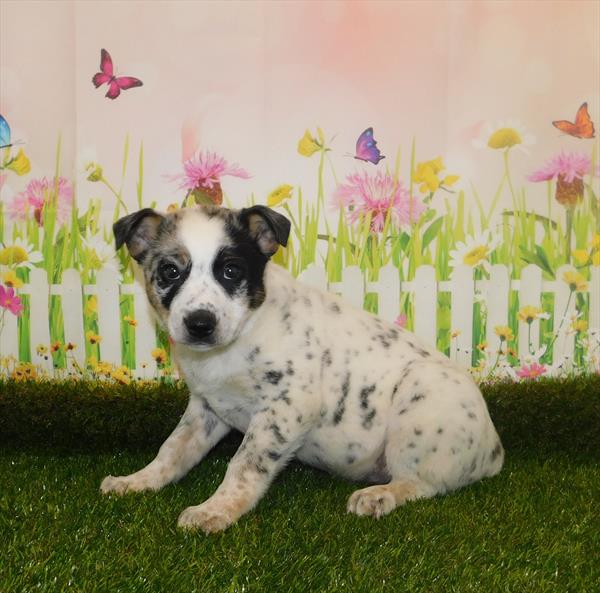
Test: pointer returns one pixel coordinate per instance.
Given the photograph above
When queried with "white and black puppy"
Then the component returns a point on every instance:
(301, 373)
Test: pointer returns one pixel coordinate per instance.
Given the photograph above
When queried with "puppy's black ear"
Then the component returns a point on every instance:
(137, 230)
(267, 227)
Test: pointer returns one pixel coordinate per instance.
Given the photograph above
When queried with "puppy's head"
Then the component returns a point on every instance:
(203, 266)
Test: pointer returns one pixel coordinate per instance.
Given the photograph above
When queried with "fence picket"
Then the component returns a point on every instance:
(39, 315)
(71, 300)
(388, 290)
(352, 286)
(9, 331)
(462, 286)
(425, 300)
(498, 290)
(530, 294)
(109, 315)
(145, 333)
(564, 345)
(314, 276)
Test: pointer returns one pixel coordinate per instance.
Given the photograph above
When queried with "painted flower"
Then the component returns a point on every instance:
(401, 320)
(568, 165)
(19, 253)
(377, 194)
(455, 333)
(11, 279)
(427, 174)
(25, 371)
(121, 375)
(504, 135)
(579, 326)
(37, 195)
(504, 333)
(581, 256)
(576, 281)
(529, 314)
(159, 355)
(10, 301)
(532, 371)
(279, 195)
(308, 144)
(99, 254)
(91, 305)
(19, 164)
(130, 320)
(95, 172)
(202, 173)
(56, 346)
(92, 337)
(475, 251)
(69, 346)
(41, 349)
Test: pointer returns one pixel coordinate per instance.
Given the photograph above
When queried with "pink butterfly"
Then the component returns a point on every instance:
(115, 83)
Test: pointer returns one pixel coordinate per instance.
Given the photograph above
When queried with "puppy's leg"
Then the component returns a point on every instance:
(198, 431)
(267, 446)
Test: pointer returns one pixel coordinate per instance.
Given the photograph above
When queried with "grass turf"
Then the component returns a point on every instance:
(533, 528)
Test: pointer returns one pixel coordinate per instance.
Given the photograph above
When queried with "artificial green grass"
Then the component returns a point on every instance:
(533, 528)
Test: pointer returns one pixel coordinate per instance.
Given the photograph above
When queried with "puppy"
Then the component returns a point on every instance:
(301, 373)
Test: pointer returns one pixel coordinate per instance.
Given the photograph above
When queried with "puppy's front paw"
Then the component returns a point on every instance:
(374, 501)
(123, 484)
(205, 517)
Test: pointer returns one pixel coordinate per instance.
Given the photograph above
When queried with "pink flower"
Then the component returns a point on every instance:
(376, 194)
(531, 372)
(9, 300)
(401, 320)
(567, 165)
(205, 169)
(38, 194)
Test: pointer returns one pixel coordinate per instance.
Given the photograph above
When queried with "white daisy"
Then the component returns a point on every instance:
(504, 135)
(475, 251)
(19, 253)
(99, 254)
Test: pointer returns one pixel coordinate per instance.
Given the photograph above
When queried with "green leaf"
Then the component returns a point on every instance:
(432, 231)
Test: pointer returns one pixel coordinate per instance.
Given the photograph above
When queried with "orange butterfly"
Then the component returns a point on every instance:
(583, 126)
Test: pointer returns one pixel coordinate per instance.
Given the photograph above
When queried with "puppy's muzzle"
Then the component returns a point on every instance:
(200, 325)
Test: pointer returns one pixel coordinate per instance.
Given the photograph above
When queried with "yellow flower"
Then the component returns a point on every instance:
(95, 172)
(455, 333)
(25, 371)
(159, 355)
(104, 368)
(575, 281)
(482, 346)
(529, 314)
(579, 325)
(595, 241)
(427, 174)
(308, 145)
(56, 346)
(504, 138)
(450, 180)
(14, 254)
(91, 305)
(596, 258)
(130, 320)
(70, 346)
(11, 279)
(504, 333)
(92, 362)
(122, 375)
(279, 195)
(166, 371)
(19, 164)
(172, 207)
(581, 256)
(511, 352)
(41, 349)
(92, 337)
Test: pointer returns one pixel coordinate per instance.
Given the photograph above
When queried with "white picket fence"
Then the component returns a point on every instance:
(462, 288)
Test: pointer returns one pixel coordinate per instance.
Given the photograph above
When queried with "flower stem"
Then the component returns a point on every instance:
(507, 174)
(562, 321)
(568, 234)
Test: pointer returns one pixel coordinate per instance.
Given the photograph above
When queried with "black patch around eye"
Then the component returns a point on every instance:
(245, 255)
(168, 282)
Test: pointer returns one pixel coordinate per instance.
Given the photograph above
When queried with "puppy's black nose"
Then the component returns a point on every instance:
(200, 324)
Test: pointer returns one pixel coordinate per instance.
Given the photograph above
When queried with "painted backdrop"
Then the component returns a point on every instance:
(272, 102)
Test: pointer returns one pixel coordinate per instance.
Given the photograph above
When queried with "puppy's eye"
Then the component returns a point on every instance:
(169, 273)
(232, 271)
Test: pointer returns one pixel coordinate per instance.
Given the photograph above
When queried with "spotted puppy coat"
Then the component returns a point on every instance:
(300, 372)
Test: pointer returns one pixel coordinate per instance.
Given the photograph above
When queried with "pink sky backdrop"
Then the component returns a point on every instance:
(255, 75)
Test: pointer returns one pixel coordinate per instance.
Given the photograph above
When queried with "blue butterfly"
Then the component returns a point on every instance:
(4, 133)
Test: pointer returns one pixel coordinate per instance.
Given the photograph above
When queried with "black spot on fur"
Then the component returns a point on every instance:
(403, 411)
(274, 428)
(418, 432)
(416, 397)
(411, 445)
(309, 356)
(341, 404)
(289, 368)
(283, 396)
(335, 308)
(253, 354)
(326, 359)
(299, 418)
(273, 455)
(273, 377)
(440, 430)
(368, 419)
(350, 459)
(365, 392)
(472, 416)
(496, 451)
